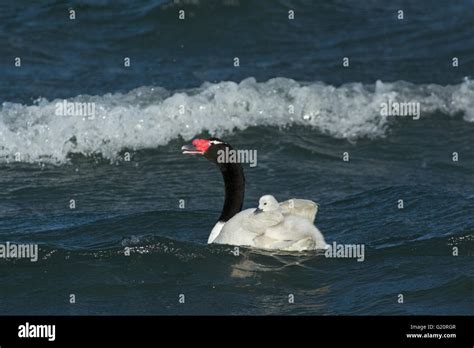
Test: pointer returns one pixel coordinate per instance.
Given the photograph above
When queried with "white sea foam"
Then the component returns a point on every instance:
(148, 117)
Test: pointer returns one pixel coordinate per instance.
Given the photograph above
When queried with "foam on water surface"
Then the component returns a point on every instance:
(148, 117)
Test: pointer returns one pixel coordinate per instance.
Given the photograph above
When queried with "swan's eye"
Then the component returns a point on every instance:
(265, 203)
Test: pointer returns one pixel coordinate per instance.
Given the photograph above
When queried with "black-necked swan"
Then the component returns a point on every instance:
(285, 226)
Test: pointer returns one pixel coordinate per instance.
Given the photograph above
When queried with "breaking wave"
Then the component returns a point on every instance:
(148, 117)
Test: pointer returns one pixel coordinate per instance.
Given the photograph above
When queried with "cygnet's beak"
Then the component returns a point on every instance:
(257, 211)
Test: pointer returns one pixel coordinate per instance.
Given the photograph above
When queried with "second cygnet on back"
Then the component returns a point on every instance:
(281, 230)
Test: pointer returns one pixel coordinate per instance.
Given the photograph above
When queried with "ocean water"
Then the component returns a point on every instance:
(47, 160)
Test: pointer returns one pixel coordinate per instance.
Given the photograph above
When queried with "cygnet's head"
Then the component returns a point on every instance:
(268, 203)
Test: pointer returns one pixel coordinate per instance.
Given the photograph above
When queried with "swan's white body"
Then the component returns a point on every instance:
(285, 226)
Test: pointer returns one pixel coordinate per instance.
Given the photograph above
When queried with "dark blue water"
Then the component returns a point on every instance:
(48, 159)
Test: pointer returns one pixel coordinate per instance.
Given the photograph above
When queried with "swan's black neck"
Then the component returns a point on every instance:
(234, 182)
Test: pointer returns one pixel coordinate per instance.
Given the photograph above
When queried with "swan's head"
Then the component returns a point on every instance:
(268, 203)
(207, 147)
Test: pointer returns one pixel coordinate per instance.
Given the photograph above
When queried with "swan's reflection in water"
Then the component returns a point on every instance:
(274, 276)
(254, 261)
